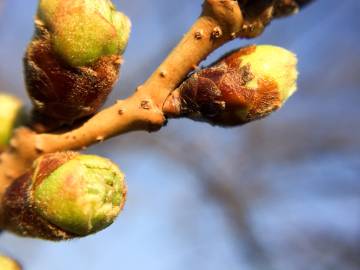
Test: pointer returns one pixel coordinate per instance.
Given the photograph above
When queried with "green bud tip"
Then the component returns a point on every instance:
(10, 110)
(267, 79)
(82, 196)
(275, 63)
(8, 264)
(82, 31)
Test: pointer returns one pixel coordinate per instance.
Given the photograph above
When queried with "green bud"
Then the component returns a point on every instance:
(8, 264)
(10, 111)
(74, 59)
(243, 86)
(68, 195)
(92, 194)
(82, 31)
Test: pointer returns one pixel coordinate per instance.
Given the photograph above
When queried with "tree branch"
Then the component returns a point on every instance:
(219, 23)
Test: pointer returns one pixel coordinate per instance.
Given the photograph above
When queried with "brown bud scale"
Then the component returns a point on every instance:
(62, 92)
(220, 95)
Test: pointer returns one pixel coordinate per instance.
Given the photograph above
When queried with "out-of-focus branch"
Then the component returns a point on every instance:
(235, 204)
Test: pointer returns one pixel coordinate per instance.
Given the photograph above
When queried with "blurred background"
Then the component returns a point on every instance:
(282, 193)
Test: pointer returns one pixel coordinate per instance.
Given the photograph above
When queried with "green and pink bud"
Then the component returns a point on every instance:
(65, 195)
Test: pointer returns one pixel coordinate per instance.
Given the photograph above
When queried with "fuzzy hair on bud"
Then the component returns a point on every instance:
(244, 85)
(65, 195)
(74, 58)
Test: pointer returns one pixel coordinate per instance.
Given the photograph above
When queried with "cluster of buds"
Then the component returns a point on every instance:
(71, 66)
(74, 58)
(65, 195)
(10, 117)
(244, 85)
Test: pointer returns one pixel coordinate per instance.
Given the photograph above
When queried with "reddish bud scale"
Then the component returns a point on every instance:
(62, 92)
(220, 94)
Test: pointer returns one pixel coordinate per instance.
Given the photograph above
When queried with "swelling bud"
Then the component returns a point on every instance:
(244, 85)
(74, 58)
(65, 195)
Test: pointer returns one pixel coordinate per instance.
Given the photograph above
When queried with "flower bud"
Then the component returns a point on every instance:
(8, 264)
(10, 115)
(74, 58)
(84, 30)
(243, 86)
(65, 195)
